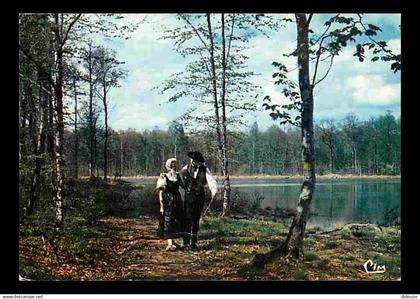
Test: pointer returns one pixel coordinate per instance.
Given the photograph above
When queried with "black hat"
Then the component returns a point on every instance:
(196, 155)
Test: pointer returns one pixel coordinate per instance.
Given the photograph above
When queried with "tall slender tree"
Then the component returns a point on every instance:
(327, 46)
(108, 72)
(328, 135)
(48, 41)
(352, 131)
(216, 76)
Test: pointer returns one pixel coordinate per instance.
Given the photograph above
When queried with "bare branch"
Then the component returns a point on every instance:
(309, 19)
(34, 83)
(317, 60)
(195, 30)
(329, 68)
(230, 39)
(68, 30)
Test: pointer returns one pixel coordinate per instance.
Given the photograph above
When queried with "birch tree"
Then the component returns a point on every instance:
(216, 78)
(62, 35)
(318, 48)
(108, 72)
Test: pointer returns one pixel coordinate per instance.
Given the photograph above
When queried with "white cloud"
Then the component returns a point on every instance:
(150, 60)
(389, 19)
(372, 90)
(395, 45)
(345, 56)
(136, 115)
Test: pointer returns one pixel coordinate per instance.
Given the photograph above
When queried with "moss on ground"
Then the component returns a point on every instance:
(122, 249)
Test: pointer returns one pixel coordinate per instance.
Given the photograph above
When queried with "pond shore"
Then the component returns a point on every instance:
(287, 177)
(98, 244)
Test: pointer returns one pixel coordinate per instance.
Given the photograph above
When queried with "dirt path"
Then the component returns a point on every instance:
(129, 249)
(138, 253)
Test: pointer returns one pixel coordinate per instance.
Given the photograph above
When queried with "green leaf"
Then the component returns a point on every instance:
(373, 27)
(344, 20)
(396, 66)
(370, 32)
(355, 31)
(382, 43)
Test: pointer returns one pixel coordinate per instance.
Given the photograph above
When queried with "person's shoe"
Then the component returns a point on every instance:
(170, 248)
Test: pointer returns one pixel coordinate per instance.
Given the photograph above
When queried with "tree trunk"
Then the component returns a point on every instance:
(51, 124)
(40, 149)
(355, 160)
(121, 158)
(286, 161)
(91, 128)
(375, 160)
(253, 156)
(59, 133)
(76, 134)
(22, 118)
(226, 181)
(106, 136)
(297, 229)
(331, 159)
(95, 147)
(216, 103)
(293, 246)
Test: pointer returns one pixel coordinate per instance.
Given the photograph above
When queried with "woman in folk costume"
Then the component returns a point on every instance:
(195, 176)
(170, 224)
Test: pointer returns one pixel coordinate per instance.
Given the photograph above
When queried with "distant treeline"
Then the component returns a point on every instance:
(341, 146)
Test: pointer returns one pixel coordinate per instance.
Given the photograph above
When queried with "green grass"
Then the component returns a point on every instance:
(392, 263)
(311, 256)
(390, 236)
(242, 232)
(28, 270)
(301, 274)
(331, 245)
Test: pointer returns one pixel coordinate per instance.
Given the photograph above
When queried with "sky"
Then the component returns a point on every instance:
(366, 89)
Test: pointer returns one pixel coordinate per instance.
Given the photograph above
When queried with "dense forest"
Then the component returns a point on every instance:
(347, 146)
(71, 160)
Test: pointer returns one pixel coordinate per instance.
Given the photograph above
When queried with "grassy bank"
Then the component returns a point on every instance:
(128, 249)
(103, 239)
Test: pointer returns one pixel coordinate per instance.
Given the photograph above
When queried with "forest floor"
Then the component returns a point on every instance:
(128, 249)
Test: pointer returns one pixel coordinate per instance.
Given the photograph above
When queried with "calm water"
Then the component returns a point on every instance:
(335, 201)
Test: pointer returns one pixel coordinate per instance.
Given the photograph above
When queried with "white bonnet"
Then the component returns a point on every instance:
(168, 163)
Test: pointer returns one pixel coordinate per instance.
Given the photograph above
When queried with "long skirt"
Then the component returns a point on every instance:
(170, 222)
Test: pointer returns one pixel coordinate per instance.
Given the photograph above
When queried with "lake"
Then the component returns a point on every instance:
(335, 202)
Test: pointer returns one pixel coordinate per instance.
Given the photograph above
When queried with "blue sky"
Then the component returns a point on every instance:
(365, 89)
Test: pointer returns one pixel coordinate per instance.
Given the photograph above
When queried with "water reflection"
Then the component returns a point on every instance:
(335, 202)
